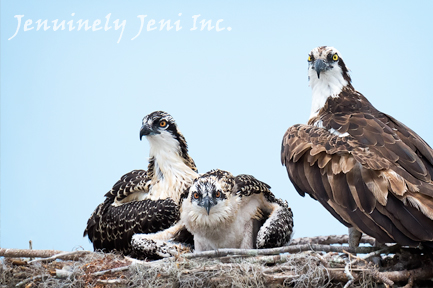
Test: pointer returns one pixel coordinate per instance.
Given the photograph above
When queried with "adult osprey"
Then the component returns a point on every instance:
(369, 170)
(145, 201)
(223, 211)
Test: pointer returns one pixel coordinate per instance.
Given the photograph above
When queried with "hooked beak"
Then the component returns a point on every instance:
(146, 130)
(207, 204)
(319, 66)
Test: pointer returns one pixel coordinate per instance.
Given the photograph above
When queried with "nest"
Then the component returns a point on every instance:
(308, 262)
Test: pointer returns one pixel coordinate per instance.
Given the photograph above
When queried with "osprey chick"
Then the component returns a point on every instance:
(369, 170)
(223, 211)
(145, 201)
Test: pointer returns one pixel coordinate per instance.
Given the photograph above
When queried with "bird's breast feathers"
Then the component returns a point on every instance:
(226, 220)
(327, 86)
(171, 175)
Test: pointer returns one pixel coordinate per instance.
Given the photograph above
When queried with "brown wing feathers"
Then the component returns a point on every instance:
(112, 227)
(378, 178)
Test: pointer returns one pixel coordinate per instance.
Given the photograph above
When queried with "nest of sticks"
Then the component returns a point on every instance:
(306, 262)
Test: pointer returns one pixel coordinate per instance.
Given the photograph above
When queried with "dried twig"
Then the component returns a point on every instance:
(31, 279)
(384, 250)
(375, 274)
(276, 251)
(31, 248)
(63, 255)
(112, 281)
(331, 239)
(136, 262)
(348, 274)
(118, 269)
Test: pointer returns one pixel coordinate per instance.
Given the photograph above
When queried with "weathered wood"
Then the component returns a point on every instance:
(423, 273)
(276, 251)
(27, 253)
(331, 239)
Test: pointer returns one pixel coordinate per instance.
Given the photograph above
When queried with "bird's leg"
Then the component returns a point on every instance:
(354, 237)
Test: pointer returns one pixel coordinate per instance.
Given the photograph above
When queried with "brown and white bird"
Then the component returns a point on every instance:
(369, 170)
(145, 201)
(224, 211)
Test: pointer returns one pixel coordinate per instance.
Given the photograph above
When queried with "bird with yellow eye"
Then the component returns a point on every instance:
(370, 171)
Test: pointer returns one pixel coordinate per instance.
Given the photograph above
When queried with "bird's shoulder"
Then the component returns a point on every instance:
(351, 124)
(132, 182)
(247, 185)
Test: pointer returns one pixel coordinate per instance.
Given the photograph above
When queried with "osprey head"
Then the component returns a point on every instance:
(209, 193)
(166, 141)
(327, 74)
(206, 194)
(156, 123)
(326, 63)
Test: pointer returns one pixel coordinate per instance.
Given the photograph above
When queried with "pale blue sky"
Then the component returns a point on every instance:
(72, 101)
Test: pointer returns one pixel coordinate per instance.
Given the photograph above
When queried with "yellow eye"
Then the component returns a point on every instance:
(218, 194)
(195, 195)
(335, 57)
(310, 58)
(162, 123)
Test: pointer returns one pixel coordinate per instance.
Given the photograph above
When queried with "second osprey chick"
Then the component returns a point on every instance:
(224, 211)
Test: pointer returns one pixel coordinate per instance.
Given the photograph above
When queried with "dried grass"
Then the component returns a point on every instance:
(302, 269)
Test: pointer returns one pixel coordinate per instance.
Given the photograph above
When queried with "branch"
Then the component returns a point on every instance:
(423, 273)
(276, 251)
(374, 273)
(331, 239)
(134, 262)
(31, 279)
(64, 256)
(123, 268)
(27, 253)
(348, 275)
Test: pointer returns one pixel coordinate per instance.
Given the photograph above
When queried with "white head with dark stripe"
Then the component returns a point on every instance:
(210, 198)
(327, 75)
(162, 132)
(160, 126)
